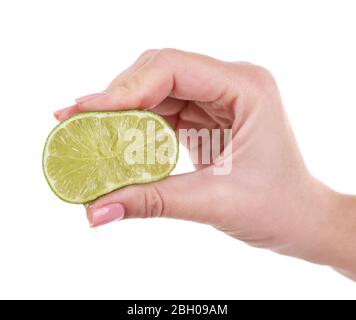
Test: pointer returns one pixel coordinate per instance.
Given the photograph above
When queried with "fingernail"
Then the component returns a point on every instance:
(89, 97)
(64, 113)
(104, 215)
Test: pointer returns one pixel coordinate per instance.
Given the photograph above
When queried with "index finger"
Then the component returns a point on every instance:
(170, 73)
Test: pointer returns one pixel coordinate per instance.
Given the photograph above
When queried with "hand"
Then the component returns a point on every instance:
(269, 199)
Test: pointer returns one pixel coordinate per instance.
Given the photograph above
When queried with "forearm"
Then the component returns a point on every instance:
(327, 231)
(344, 243)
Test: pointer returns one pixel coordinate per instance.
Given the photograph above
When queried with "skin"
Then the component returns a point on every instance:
(269, 200)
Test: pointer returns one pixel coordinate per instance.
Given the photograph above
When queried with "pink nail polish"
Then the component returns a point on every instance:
(66, 112)
(104, 215)
(89, 97)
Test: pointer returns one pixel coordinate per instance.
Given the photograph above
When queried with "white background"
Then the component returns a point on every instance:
(54, 51)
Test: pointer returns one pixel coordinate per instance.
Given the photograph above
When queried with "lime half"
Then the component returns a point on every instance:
(93, 153)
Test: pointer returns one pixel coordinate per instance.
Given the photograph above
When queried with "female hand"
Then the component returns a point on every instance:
(268, 200)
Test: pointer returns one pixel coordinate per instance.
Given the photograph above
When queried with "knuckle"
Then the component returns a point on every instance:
(261, 78)
(147, 54)
(135, 81)
(167, 53)
(136, 86)
(154, 204)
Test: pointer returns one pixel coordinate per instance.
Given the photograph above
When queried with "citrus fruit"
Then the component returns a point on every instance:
(93, 153)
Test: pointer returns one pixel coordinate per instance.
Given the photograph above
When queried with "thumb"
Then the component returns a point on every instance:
(181, 196)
